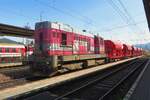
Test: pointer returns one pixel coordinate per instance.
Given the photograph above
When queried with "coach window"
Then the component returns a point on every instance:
(64, 39)
(13, 50)
(6, 49)
(0, 49)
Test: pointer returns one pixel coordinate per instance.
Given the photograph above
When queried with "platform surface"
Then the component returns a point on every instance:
(6, 93)
(10, 64)
(142, 89)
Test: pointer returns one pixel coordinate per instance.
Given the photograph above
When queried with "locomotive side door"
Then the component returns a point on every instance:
(76, 44)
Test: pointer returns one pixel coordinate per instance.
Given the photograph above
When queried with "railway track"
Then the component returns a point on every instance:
(13, 73)
(100, 88)
(20, 81)
(7, 69)
(14, 76)
(21, 75)
(14, 69)
(12, 82)
(92, 87)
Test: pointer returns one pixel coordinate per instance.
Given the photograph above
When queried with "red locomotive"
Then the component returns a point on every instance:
(60, 47)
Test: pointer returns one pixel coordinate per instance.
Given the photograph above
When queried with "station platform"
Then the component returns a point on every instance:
(140, 90)
(2, 65)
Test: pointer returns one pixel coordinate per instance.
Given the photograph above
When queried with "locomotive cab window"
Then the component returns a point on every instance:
(64, 39)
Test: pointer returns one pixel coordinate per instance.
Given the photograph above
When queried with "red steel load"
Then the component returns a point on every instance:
(127, 50)
(113, 49)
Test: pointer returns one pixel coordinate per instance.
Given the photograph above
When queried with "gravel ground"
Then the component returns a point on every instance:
(11, 74)
(4, 78)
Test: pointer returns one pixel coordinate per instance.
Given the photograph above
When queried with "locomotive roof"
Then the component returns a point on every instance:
(80, 32)
(4, 45)
(63, 27)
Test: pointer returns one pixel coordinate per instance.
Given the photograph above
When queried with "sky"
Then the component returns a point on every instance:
(122, 20)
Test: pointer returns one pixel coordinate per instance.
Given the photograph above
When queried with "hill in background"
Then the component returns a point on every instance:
(145, 46)
(5, 40)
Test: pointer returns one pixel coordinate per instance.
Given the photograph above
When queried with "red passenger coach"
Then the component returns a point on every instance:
(11, 53)
(114, 50)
